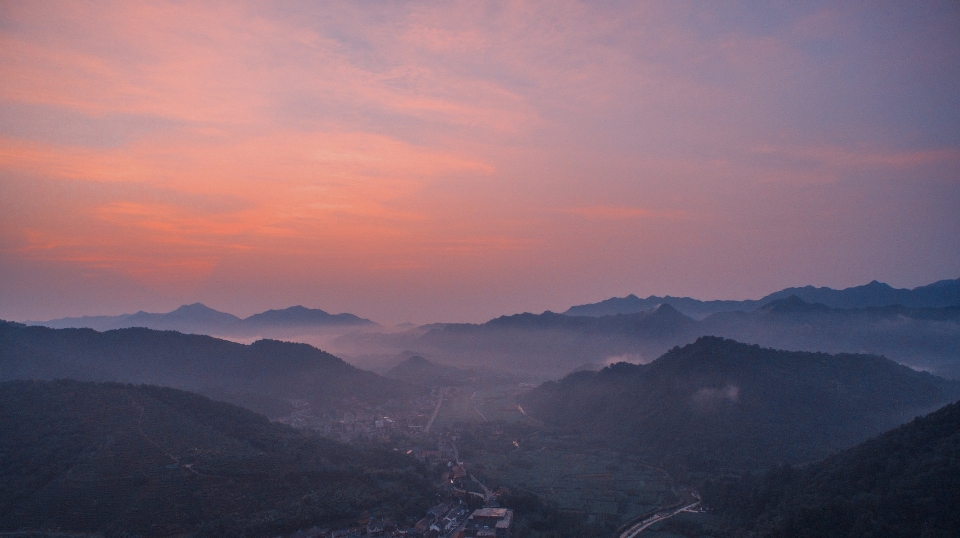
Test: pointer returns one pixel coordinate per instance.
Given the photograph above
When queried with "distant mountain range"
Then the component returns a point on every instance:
(198, 318)
(107, 459)
(551, 344)
(718, 406)
(937, 295)
(263, 376)
(922, 337)
(903, 483)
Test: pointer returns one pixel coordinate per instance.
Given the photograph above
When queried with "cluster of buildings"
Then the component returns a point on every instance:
(363, 421)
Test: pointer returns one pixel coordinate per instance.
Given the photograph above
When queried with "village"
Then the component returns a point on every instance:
(466, 507)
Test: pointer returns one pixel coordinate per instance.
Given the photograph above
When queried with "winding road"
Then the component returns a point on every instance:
(655, 518)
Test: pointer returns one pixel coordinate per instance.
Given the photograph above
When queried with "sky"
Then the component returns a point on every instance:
(455, 161)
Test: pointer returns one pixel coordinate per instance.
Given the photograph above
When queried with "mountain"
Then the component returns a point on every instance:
(718, 405)
(195, 317)
(264, 375)
(295, 318)
(552, 344)
(924, 338)
(123, 460)
(198, 318)
(630, 304)
(417, 370)
(903, 483)
(937, 295)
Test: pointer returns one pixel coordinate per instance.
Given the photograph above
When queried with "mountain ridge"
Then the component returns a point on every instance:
(198, 318)
(942, 293)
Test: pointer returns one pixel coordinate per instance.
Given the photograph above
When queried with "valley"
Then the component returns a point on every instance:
(533, 414)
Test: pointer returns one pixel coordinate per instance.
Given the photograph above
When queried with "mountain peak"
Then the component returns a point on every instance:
(666, 311)
(194, 307)
(418, 361)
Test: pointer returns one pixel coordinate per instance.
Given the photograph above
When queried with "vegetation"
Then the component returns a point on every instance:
(904, 483)
(718, 406)
(150, 461)
(262, 376)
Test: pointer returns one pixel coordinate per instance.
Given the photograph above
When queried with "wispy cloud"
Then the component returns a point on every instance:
(529, 137)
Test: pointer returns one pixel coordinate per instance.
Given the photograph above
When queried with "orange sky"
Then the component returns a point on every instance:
(460, 161)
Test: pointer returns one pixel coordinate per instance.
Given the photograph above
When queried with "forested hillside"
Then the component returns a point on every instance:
(150, 461)
(718, 405)
(263, 376)
(904, 483)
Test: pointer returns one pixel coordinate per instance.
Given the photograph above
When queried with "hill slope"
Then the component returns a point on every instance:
(113, 459)
(263, 375)
(904, 483)
(719, 405)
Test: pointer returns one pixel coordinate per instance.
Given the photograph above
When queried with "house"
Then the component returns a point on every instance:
(489, 523)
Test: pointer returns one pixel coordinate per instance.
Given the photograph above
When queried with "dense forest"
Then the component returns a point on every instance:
(262, 376)
(127, 460)
(904, 483)
(717, 405)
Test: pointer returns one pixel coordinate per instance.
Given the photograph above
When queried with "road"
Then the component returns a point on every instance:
(655, 518)
(434, 416)
(487, 493)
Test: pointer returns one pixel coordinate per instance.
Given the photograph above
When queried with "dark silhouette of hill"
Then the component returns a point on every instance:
(552, 344)
(263, 375)
(124, 460)
(718, 405)
(201, 319)
(903, 483)
(631, 304)
(937, 295)
(417, 370)
(196, 318)
(295, 318)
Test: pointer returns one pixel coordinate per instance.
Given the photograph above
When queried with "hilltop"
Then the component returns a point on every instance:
(417, 370)
(718, 405)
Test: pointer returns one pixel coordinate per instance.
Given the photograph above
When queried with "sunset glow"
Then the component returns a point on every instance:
(455, 162)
